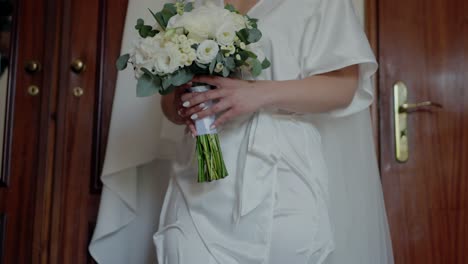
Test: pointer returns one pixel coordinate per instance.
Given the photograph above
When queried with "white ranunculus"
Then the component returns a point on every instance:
(207, 51)
(226, 34)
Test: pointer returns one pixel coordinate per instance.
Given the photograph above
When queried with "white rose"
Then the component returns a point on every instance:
(200, 23)
(226, 34)
(207, 51)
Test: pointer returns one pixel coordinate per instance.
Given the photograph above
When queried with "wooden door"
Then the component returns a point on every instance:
(26, 97)
(55, 139)
(424, 43)
(90, 36)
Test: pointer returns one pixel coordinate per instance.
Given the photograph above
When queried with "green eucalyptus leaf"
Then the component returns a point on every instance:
(122, 62)
(266, 63)
(230, 8)
(245, 54)
(188, 7)
(213, 65)
(145, 31)
(146, 86)
(181, 77)
(159, 18)
(256, 68)
(153, 33)
(243, 35)
(171, 8)
(166, 16)
(254, 35)
(152, 13)
(219, 57)
(166, 82)
(140, 23)
(226, 72)
(253, 22)
(148, 72)
(157, 81)
(230, 63)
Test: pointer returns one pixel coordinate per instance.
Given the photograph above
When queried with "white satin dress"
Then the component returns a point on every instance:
(302, 189)
(273, 207)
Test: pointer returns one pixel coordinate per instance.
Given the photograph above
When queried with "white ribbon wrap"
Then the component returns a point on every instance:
(204, 125)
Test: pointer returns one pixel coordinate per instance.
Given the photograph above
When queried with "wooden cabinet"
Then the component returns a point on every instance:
(55, 140)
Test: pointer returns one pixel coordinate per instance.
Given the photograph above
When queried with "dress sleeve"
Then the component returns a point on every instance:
(334, 39)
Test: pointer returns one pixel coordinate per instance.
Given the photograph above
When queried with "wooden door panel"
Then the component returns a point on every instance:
(93, 31)
(17, 193)
(75, 123)
(425, 44)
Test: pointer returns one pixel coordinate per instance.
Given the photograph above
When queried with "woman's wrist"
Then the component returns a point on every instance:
(269, 93)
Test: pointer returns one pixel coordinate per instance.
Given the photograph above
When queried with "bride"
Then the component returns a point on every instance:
(303, 184)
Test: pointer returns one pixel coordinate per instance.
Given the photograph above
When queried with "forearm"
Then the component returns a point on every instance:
(315, 94)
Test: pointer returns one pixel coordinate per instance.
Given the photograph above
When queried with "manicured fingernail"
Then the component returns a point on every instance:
(193, 135)
(202, 105)
(179, 112)
(186, 104)
(212, 127)
(194, 116)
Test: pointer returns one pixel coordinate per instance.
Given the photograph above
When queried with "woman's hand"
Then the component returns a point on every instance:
(233, 97)
(172, 108)
(314, 94)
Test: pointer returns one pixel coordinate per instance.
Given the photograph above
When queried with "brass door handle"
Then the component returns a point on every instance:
(408, 107)
(78, 66)
(401, 109)
(32, 66)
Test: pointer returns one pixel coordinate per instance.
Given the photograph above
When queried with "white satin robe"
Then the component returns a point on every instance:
(301, 189)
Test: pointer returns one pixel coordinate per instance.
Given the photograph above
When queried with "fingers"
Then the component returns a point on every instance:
(192, 110)
(219, 107)
(224, 118)
(198, 98)
(191, 127)
(211, 80)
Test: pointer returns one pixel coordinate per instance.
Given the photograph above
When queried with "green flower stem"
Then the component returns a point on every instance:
(211, 165)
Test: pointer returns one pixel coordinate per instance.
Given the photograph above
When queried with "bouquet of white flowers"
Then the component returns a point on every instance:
(188, 41)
